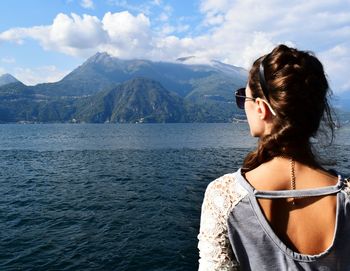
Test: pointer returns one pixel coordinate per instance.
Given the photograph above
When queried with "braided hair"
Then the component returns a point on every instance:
(297, 90)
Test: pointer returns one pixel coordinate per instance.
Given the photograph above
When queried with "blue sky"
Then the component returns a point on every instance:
(42, 41)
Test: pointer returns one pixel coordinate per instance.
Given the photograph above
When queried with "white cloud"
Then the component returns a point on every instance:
(124, 24)
(8, 60)
(233, 31)
(214, 10)
(243, 30)
(73, 35)
(44, 74)
(336, 61)
(215, 6)
(14, 34)
(167, 29)
(129, 36)
(2, 71)
(88, 4)
(260, 45)
(165, 13)
(120, 34)
(157, 2)
(142, 8)
(163, 17)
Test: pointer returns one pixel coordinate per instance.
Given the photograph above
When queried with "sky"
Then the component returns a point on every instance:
(43, 40)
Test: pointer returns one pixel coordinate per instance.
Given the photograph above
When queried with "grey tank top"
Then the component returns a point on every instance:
(257, 247)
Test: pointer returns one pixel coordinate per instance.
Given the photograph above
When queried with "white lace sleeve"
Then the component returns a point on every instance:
(215, 251)
(347, 186)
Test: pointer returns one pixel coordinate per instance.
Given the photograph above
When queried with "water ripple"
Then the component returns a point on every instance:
(110, 209)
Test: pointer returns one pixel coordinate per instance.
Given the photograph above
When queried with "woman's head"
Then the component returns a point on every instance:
(294, 85)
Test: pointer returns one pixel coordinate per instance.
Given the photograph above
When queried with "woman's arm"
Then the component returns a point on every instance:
(215, 251)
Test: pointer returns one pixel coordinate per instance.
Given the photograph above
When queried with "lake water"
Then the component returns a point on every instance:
(115, 197)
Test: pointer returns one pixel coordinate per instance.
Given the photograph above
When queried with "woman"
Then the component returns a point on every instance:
(281, 210)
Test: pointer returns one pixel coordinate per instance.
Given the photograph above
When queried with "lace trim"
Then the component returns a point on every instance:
(347, 186)
(214, 247)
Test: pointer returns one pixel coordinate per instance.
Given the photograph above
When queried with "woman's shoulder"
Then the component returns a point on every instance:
(225, 192)
(223, 181)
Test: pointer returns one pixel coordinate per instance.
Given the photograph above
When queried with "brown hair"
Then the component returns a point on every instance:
(297, 90)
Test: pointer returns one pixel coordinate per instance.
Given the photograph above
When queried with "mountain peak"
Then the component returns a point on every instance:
(215, 64)
(185, 58)
(194, 60)
(7, 79)
(100, 57)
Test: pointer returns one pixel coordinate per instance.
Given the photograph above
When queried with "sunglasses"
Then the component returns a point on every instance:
(240, 93)
(241, 98)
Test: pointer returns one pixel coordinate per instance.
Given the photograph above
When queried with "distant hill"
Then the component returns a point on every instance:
(19, 103)
(138, 100)
(103, 71)
(106, 88)
(7, 79)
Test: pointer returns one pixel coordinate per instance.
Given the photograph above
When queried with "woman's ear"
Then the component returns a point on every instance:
(262, 109)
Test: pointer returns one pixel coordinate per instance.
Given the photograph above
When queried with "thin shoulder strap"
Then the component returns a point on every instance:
(300, 193)
(322, 191)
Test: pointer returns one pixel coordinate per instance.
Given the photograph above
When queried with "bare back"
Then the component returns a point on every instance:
(308, 225)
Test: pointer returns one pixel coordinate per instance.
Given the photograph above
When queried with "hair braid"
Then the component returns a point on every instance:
(297, 91)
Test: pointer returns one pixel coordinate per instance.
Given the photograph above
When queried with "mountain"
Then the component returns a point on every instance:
(108, 89)
(103, 71)
(138, 100)
(19, 103)
(7, 79)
